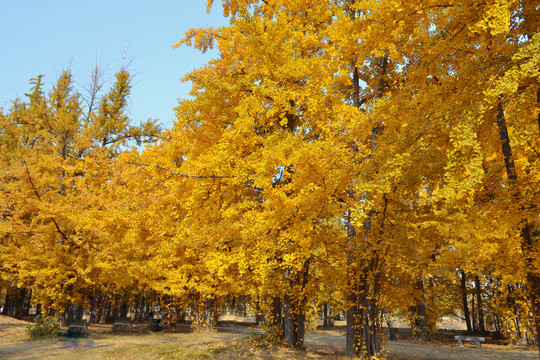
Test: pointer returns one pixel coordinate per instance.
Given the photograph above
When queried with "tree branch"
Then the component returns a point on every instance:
(184, 175)
(39, 198)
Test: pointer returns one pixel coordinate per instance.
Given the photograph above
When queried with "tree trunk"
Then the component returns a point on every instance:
(364, 322)
(538, 102)
(294, 319)
(465, 301)
(259, 316)
(363, 316)
(17, 304)
(276, 318)
(474, 322)
(481, 326)
(327, 320)
(527, 243)
(104, 308)
(350, 337)
(420, 314)
(288, 322)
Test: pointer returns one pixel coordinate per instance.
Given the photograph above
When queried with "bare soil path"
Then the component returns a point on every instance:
(334, 341)
(433, 352)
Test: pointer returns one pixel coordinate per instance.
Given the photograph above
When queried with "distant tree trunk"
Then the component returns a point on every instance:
(481, 326)
(79, 312)
(104, 308)
(259, 316)
(138, 308)
(327, 318)
(123, 311)
(465, 301)
(17, 302)
(206, 312)
(473, 304)
(210, 312)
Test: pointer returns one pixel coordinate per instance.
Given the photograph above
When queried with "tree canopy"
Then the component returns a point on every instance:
(378, 156)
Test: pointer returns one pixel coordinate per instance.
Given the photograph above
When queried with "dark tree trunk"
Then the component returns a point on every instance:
(288, 321)
(420, 314)
(104, 308)
(123, 311)
(276, 318)
(465, 301)
(210, 312)
(294, 318)
(17, 302)
(350, 336)
(351, 313)
(259, 317)
(538, 102)
(481, 326)
(79, 312)
(506, 148)
(474, 322)
(73, 312)
(527, 243)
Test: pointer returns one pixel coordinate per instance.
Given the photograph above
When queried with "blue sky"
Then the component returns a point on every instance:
(47, 36)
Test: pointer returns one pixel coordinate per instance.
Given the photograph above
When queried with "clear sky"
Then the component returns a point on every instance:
(47, 36)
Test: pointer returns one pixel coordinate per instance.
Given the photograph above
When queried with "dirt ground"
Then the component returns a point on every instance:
(320, 344)
(334, 341)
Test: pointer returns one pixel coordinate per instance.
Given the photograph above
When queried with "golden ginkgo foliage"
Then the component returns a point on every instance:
(377, 156)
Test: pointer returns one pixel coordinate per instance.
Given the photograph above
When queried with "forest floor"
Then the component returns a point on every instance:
(232, 342)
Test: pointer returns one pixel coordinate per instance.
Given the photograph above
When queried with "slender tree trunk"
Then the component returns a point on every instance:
(259, 317)
(481, 326)
(538, 102)
(465, 301)
(351, 314)
(474, 322)
(327, 321)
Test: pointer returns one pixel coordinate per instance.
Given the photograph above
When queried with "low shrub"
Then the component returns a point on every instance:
(43, 327)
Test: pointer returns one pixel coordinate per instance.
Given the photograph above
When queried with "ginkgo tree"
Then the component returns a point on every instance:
(370, 154)
(46, 142)
(404, 116)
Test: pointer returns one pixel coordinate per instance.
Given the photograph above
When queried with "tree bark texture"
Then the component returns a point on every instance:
(294, 303)
(465, 301)
(478, 287)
